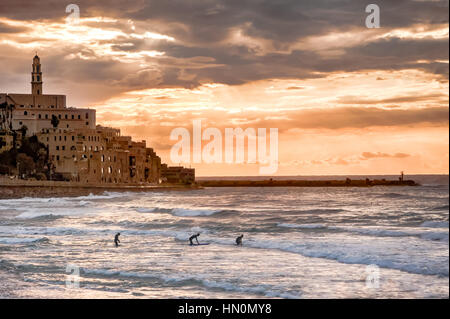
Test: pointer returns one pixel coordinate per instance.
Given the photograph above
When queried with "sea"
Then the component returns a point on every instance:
(299, 242)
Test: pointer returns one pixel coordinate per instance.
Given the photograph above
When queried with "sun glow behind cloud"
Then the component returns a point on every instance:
(334, 94)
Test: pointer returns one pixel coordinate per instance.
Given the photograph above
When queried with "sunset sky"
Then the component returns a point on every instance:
(345, 99)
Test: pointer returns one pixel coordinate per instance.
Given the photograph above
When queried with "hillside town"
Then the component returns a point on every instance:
(41, 138)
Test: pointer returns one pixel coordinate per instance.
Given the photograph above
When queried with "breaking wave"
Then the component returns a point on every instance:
(198, 280)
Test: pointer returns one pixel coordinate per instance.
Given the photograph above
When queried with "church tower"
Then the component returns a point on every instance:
(36, 77)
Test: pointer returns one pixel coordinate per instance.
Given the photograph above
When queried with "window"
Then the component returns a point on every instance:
(59, 116)
(60, 137)
(73, 116)
(63, 148)
(65, 116)
(46, 116)
(57, 157)
(65, 138)
(79, 116)
(73, 138)
(39, 116)
(38, 92)
(54, 137)
(87, 123)
(25, 113)
(87, 115)
(57, 147)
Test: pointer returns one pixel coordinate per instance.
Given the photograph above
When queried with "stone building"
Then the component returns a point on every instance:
(78, 148)
(177, 174)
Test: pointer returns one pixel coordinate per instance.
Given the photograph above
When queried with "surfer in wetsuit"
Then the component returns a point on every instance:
(239, 240)
(194, 237)
(116, 239)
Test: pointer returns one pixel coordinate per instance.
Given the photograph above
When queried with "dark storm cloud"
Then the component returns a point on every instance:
(438, 97)
(203, 28)
(4, 28)
(361, 117)
(331, 118)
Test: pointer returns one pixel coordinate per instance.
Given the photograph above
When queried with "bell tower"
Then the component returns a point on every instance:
(36, 77)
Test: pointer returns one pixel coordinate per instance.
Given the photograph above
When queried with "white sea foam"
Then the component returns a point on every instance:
(354, 253)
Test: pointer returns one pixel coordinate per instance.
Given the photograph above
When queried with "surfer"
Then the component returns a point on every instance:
(194, 237)
(116, 239)
(239, 240)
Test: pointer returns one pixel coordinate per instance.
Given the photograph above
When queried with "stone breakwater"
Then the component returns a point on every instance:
(25, 188)
(305, 183)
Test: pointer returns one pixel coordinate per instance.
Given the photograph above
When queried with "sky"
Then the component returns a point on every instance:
(345, 99)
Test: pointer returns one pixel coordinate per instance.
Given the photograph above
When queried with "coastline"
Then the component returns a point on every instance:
(10, 189)
(46, 191)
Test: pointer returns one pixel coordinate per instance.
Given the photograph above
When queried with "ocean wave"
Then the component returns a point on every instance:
(443, 207)
(181, 212)
(306, 226)
(394, 232)
(434, 224)
(380, 231)
(353, 254)
(18, 240)
(198, 280)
